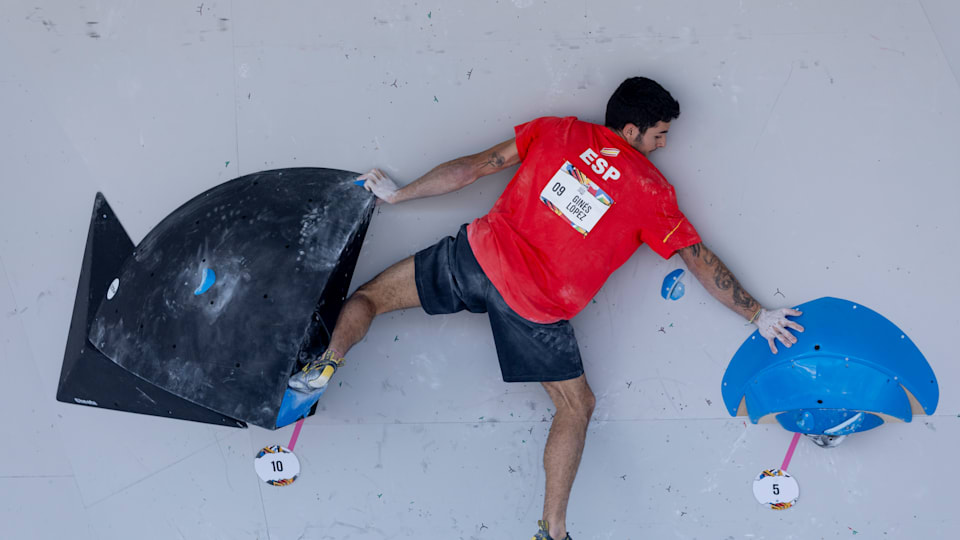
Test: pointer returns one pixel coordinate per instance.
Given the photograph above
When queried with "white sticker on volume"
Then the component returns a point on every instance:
(112, 291)
(776, 489)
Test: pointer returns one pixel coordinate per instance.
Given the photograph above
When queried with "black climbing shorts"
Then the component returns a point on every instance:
(449, 279)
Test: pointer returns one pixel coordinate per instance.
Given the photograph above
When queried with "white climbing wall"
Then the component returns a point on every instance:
(815, 152)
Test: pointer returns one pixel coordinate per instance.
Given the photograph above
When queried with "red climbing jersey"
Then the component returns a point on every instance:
(582, 201)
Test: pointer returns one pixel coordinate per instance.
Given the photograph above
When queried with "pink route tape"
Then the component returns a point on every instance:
(296, 433)
(786, 459)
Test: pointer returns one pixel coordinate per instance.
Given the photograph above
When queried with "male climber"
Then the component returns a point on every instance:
(584, 198)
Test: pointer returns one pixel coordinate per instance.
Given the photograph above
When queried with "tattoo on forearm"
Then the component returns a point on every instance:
(724, 279)
(709, 257)
(495, 160)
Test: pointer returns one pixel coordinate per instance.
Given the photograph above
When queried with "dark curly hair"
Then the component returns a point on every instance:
(642, 102)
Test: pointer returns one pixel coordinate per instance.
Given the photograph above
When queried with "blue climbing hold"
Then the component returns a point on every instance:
(851, 370)
(833, 422)
(672, 287)
(296, 405)
(206, 281)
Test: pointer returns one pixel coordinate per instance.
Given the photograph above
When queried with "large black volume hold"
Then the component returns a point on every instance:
(220, 301)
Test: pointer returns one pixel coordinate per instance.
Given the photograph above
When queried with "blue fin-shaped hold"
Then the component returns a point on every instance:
(296, 405)
(850, 371)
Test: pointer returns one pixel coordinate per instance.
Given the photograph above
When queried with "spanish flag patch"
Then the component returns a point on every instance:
(610, 152)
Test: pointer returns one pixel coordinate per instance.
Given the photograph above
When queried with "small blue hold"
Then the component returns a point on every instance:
(209, 278)
(296, 405)
(359, 182)
(672, 287)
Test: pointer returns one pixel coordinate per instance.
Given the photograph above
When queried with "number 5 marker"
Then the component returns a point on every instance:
(776, 488)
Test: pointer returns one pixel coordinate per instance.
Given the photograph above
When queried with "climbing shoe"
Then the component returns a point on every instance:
(544, 532)
(316, 374)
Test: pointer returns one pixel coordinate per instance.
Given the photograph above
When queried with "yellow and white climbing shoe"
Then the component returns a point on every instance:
(316, 374)
(544, 532)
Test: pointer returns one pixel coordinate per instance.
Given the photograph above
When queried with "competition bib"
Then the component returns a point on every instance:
(574, 197)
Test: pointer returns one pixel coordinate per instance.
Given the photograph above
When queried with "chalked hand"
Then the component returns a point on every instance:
(378, 183)
(773, 325)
